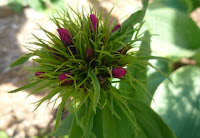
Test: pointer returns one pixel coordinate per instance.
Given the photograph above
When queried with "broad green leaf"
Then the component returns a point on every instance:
(129, 23)
(182, 5)
(65, 126)
(185, 6)
(83, 122)
(136, 17)
(139, 72)
(96, 87)
(177, 34)
(178, 102)
(150, 124)
(107, 125)
(154, 78)
(21, 60)
(75, 131)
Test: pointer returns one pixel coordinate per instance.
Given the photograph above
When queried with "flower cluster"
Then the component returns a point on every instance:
(66, 38)
(80, 61)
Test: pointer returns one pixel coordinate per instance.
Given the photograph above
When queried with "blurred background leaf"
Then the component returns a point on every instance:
(38, 5)
(177, 34)
(17, 5)
(178, 102)
(185, 6)
(47, 6)
(3, 134)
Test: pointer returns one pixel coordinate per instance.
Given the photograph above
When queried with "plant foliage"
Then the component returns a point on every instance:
(79, 64)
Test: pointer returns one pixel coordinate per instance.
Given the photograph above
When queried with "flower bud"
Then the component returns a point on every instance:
(39, 74)
(116, 27)
(118, 72)
(89, 52)
(64, 76)
(94, 21)
(65, 36)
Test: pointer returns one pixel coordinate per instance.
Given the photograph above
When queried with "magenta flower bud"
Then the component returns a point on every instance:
(116, 27)
(118, 72)
(94, 21)
(65, 36)
(64, 76)
(89, 52)
(39, 74)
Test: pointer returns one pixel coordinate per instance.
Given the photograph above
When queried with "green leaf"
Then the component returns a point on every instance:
(107, 125)
(3, 134)
(138, 73)
(185, 6)
(178, 35)
(182, 5)
(178, 102)
(129, 23)
(21, 60)
(59, 113)
(88, 120)
(28, 86)
(196, 4)
(83, 122)
(154, 78)
(96, 87)
(150, 124)
(75, 131)
(38, 5)
(197, 58)
(17, 5)
(65, 126)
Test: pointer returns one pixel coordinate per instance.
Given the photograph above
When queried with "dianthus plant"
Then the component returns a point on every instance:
(81, 64)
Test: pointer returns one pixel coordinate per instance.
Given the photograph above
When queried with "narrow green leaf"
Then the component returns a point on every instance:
(154, 78)
(21, 60)
(96, 87)
(30, 85)
(89, 116)
(138, 73)
(59, 113)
